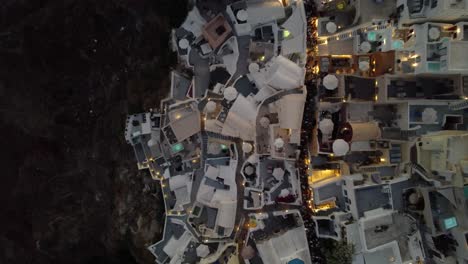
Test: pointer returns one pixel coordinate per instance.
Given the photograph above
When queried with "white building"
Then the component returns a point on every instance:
(417, 11)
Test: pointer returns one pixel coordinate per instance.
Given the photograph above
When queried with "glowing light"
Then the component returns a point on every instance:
(382, 159)
(344, 56)
(178, 116)
(341, 5)
(262, 58)
(414, 56)
(376, 97)
(286, 33)
(414, 64)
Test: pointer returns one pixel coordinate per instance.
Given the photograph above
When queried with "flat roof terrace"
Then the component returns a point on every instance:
(371, 197)
(216, 31)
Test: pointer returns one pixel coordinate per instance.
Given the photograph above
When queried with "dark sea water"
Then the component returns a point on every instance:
(70, 71)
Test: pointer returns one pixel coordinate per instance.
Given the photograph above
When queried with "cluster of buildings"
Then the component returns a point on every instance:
(225, 142)
(390, 168)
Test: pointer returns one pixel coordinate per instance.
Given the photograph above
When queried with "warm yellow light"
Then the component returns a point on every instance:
(262, 58)
(194, 161)
(414, 56)
(376, 97)
(382, 159)
(344, 56)
(178, 116)
(376, 83)
(414, 64)
(331, 155)
(325, 206)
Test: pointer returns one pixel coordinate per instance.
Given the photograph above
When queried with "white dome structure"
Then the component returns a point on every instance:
(331, 27)
(242, 15)
(429, 115)
(183, 43)
(434, 33)
(151, 143)
(330, 82)
(264, 122)
(203, 250)
(279, 143)
(247, 147)
(248, 252)
(230, 93)
(214, 148)
(210, 107)
(249, 170)
(326, 126)
(364, 65)
(284, 193)
(254, 67)
(365, 46)
(340, 147)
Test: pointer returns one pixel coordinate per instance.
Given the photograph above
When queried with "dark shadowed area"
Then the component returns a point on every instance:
(70, 71)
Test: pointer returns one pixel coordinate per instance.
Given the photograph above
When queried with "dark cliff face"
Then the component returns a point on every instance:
(70, 71)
